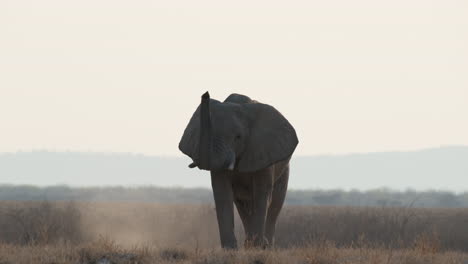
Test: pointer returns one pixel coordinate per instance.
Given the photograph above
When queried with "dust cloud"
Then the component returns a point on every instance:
(154, 224)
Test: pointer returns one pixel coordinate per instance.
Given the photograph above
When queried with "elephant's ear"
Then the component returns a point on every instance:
(190, 139)
(271, 138)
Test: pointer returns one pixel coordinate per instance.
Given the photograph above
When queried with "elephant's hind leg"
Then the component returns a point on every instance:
(277, 200)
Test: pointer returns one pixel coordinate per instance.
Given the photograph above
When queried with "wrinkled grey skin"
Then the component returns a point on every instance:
(247, 147)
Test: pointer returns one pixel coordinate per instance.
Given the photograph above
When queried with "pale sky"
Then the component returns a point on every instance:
(126, 76)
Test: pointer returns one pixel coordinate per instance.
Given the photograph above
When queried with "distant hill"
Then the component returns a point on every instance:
(444, 168)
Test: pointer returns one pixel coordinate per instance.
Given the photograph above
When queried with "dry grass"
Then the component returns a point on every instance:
(106, 251)
(106, 233)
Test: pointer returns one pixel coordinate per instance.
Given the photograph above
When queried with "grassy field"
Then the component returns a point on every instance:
(104, 233)
(106, 252)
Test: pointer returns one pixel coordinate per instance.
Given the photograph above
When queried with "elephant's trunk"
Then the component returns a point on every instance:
(205, 133)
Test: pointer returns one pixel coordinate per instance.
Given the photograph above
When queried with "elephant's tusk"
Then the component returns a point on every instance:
(231, 166)
(192, 165)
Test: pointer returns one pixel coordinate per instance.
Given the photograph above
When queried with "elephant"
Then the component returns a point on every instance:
(246, 146)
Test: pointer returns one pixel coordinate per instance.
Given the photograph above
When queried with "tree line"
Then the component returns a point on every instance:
(374, 198)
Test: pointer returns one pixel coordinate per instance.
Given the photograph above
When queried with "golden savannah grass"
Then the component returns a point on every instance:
(104, 251)
(118, 232)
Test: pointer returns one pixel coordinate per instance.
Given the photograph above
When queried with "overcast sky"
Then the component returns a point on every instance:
(125, 76)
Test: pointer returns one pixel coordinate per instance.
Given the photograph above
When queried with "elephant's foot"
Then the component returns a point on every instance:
(256, 242)
(229, 245)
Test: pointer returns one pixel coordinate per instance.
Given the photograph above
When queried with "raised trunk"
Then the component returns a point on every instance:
(205, 133)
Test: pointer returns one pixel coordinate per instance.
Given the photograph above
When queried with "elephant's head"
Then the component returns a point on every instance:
(237, 134)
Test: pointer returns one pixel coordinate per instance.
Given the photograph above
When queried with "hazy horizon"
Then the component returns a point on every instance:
(443, 169)
(180, 155)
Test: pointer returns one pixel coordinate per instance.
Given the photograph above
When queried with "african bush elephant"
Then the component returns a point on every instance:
(247, 146)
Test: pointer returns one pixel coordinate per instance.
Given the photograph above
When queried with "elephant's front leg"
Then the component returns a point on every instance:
(224, 201)
(262, 186)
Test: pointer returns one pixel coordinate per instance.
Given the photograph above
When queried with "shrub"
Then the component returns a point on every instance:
(39, 223)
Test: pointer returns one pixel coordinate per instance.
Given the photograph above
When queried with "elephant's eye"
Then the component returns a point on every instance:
(238, 137)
